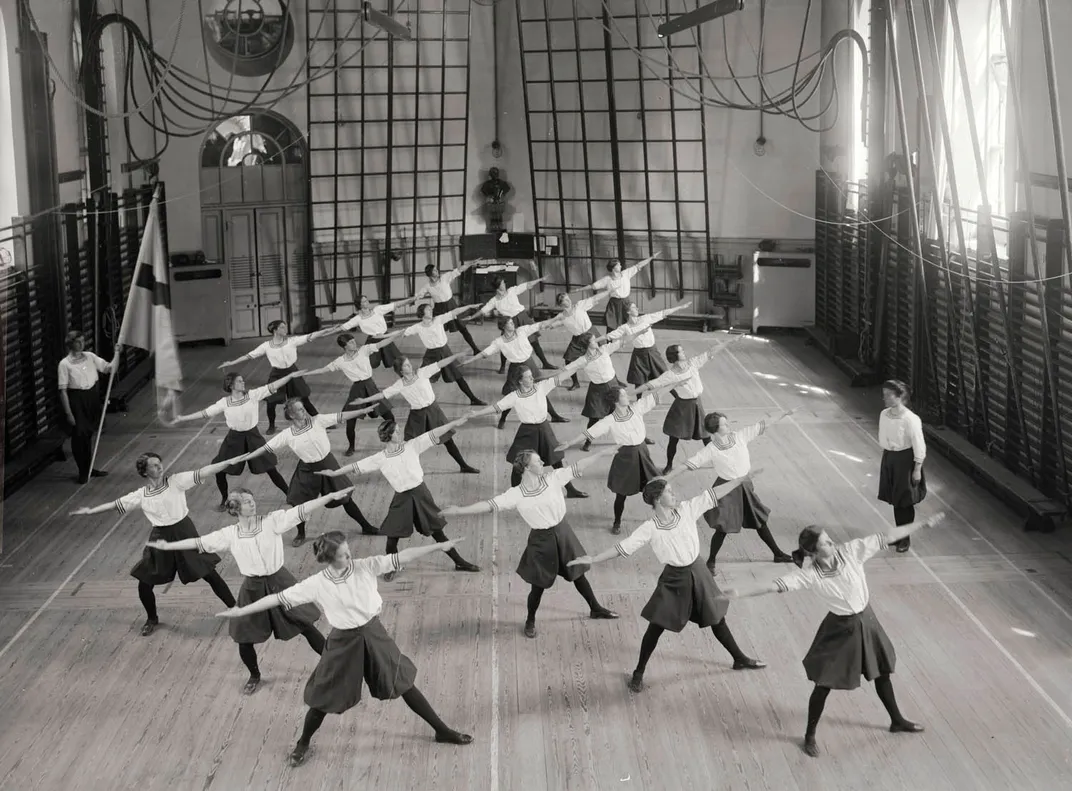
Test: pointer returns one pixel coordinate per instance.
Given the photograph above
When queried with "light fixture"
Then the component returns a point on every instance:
(706, 13)
(387, 24)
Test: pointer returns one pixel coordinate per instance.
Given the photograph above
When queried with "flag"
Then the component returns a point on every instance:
(147, 318)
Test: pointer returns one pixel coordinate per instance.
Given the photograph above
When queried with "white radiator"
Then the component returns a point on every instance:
(783, 290)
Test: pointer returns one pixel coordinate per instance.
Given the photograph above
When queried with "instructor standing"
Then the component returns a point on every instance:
(78, 381)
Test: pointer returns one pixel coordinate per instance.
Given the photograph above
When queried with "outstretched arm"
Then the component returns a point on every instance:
(592, 458)
(387, 339)
(563, 374)
(483, 507)
(210, 470)
(261, 605)
(447, 361)
(95, 509)
(521, 288)
(895, 534)
(439, 431)
(488, 351)
(410, 554)
(367, 399)
(352, 413)
(453, 314)
(657, 384)
(258, 352)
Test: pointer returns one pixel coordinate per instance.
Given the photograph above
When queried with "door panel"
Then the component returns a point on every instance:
(240, 252)
(271, 252)
(297, 267)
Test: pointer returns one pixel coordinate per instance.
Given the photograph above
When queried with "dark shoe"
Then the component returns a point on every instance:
(477, 402)
(904, 726)
(501, 425)
(573, 387)
(904, 545)
(748, 664)
(603, 614)
(811, 748)
(648, 441)
(573, 493)
(271, 430)
(502, 369)
(349, 452)
(636, 683)
(297, 757)
(222, 506)
(298, 541)
(251, 685)
(616, 529)
(82, 479)
(390, 575)
(711, 567)
(453, 737)
(559, 419)
(587, 446)
(667, 469)
(98, 474)
(370, 530)
(469, 469)
(781, 557)
(149, 627)
(465, 565)
(530, 629)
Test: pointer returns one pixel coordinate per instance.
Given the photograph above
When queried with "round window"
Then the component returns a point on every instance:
(249, 38)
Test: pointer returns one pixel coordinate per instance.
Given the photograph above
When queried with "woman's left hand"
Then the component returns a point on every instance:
(917, 476)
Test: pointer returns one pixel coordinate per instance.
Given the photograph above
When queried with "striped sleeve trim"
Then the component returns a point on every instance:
(882, 542)
(436, 440)
(396, 564)
(120, 507)
(587, 434)
(576, 470)
(693, 466)
(498, 409)
(781, 586)
(198, 480)
(620, 550)
(283, 600)
(494, 506)
(303, 512)
(714, 496)
(200, 546)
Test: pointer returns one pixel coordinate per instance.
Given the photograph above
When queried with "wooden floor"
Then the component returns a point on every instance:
(980, 614)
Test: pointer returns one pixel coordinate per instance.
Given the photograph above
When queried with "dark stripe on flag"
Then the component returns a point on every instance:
(161, 291)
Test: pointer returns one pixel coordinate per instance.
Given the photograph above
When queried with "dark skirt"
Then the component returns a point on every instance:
(595, 403)
(295, 388)
(352, 658)
(86, 408)
(514, 372)
(683, 594)
(306, 485)
(895, 479)
(386, 356)
(279, 621)
(547, 553)
(684, 419)
(631, 469)
(616, 313)
(414, 508)
(450, 373)
(235, 443)
(425, 419)
(645, 365)
(159, 567)
(523, 318)
(847, 647)
(539, 437)
(364, 388)
(439, 308)
(576, 350)
(740, 508)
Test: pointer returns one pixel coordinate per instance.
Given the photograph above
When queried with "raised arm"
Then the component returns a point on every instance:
(489, 350)
(895, 534)
(95, 509)
(453, 314)
(253, 355)
(521, 288)
(659, 383)
(439, 431)
(483, 507)
(563, 374)
(367, 399)
(639, 265)
(447, 361)
(410, 554)
(210, 470)
(312, 336)
(352, 413)
(717, 348)
(387, 339)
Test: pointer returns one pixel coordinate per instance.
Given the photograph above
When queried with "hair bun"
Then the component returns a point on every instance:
(798, 557)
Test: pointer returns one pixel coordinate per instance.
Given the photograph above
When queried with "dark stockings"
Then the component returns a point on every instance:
(583, 586)
(764, 534)
(382, 410)
(352, 511)
(538, 351)
(273, 475)
(440, 538)
(248, 652)
(312, 410)
(413, 698)
(671, 449)
(466, 390)
(214, 580)
(619, 508)
(464, 332)
(817, 701)
(455, 454)
(903, 516)
(721, 632)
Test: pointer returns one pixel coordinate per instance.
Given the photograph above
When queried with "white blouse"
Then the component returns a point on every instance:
(81, 375)
(373, 324)
(401, 466)
(728, 455)
(311, 443)
(281, 356)
(507, 305)
(166, 504)
(691, 385)
(242, 413)
(258, 546)
(418, 393)
(645, 339)
(542, 506)
(531, 405)
(600, 369)
(902, 432)
(628, 430)
(844, 589)
(348, 599)
(356, 368)
(675, 540)
(443, 290)
(577, 321)
(517, 349)
(432, 335)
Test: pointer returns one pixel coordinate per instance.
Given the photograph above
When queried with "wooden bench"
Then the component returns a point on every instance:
(129, 386)
(1043, 513)
(36, 457)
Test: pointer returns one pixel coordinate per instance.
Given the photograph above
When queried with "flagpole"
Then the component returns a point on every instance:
(119, 338)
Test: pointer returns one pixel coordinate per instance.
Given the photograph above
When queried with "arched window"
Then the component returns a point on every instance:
(253, 158)
(249, 38)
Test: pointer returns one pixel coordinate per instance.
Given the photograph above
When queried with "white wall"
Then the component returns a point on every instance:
(12, 176)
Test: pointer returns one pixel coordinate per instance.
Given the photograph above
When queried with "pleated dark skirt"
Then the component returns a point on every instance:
(295, 388)
(575, 351)
(425, 419)
(159, 567)
(86, 408)
(630, 470)
(414, 508)
(595, 403)
(645, 365)
(740, 508)
(364, 388)
(684, 419)
(439, 308)
(847, 647)
(306, 485)
(539, 437)
(684, 594)
(353, 658)
(450, 373)
(895, 479)
(235, 443)
(514, 372)
(284, 624)
(386, 356)
(547, 553)
(616, 313)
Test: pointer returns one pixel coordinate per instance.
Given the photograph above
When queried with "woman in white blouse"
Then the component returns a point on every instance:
(358, 650)
(356, 364)
(850, 642)
(598, 364)
(646, 362)
(432, 331)
(307, 438)
(80, 395)
(505, 303)
(632, 467)
(425, 414)
(241, 412)
(576, 320)
(163, 501)
(728, 455)
(685, 591)
(552, 545)
(257, 545)
(901, 482)
(440, 287)
(618, 283)
(372, 321)
(282, 353)
(534, 432)
(412, 505)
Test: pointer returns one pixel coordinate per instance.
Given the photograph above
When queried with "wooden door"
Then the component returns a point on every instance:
(240, 250)
(271, 265)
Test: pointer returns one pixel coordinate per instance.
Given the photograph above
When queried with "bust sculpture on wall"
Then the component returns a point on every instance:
(494, 191)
